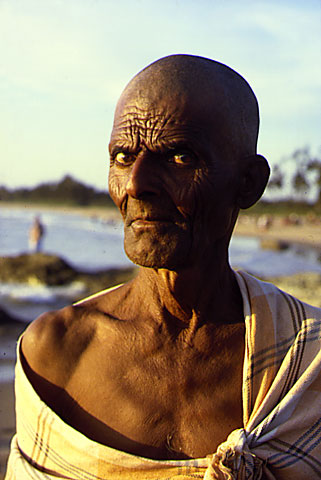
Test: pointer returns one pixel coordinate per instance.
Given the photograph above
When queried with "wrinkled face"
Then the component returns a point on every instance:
(172, 184)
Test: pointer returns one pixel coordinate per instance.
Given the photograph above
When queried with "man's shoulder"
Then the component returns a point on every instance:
(54, 343)
(55, 340)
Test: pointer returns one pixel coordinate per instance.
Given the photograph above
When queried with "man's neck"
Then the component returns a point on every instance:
(191, 297)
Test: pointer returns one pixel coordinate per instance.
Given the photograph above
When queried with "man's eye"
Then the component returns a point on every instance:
(183, 159)
(123, 158)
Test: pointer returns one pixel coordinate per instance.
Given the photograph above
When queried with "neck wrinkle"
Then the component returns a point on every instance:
(186, 299)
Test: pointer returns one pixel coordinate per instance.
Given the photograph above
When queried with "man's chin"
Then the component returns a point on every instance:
(161, 257)
(148, 249)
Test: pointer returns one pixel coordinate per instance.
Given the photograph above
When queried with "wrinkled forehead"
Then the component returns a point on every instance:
(162, 118)
(156, 122)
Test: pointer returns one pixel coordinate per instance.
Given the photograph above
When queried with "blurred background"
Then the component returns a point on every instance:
(63, 66)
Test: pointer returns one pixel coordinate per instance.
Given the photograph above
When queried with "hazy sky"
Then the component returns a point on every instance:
(65, 62)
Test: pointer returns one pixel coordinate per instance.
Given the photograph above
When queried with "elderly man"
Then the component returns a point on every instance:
(191, 370)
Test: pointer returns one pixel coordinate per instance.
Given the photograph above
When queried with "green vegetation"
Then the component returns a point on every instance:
(302, 171)
(67, 192)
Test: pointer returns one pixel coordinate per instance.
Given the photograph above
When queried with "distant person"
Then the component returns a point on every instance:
(36, 235)
(190, 370)
(264, 222)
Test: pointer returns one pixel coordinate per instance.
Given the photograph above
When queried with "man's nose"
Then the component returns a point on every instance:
(143, 178)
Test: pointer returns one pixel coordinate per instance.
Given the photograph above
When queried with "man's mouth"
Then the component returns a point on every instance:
(151, 218)
(149, 222)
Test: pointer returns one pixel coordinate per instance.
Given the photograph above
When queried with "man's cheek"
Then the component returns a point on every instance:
(186, 200)
(117, 189)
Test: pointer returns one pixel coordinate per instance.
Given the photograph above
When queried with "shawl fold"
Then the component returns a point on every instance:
(281, 434)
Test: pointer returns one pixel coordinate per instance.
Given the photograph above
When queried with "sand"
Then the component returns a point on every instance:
(305, 233)
(306, 286)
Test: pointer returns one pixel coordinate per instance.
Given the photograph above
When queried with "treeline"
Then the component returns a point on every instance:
(299, 175)
(68, 191)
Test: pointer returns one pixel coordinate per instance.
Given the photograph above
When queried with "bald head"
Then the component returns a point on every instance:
(212, 89)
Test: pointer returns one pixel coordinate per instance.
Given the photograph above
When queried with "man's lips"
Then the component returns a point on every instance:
(145, 222)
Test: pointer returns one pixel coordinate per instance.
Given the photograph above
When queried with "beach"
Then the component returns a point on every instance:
(304, 232)
(306, 286)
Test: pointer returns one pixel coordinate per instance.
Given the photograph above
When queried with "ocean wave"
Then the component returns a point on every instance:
(37, 293)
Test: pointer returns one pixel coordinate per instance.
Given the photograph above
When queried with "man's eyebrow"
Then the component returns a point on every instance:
(173, 146)
(118, 147)
(165, 147)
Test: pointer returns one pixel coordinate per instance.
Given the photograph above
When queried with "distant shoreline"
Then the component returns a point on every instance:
(98, 211)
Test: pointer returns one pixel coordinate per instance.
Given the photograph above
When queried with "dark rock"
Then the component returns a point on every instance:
(51, 270)
(273, 244)
(36, 268)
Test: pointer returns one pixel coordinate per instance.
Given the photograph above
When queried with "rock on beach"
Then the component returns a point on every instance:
(52, 270)
(36, 268)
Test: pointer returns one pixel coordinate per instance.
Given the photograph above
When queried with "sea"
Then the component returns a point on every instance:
(92, 243)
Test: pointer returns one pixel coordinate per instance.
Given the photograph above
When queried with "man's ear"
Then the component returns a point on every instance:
(254, 178)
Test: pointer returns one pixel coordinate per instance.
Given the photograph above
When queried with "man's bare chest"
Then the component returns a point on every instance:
(159, 404)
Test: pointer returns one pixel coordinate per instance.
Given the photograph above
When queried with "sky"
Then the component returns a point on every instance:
(64, 64)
